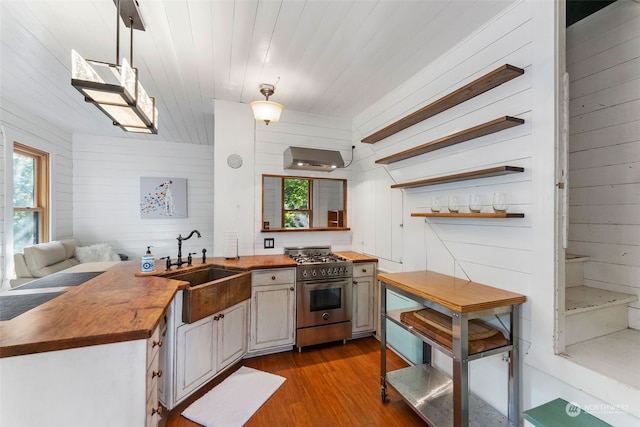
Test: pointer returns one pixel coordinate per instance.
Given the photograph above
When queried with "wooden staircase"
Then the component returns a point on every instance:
(591, 312)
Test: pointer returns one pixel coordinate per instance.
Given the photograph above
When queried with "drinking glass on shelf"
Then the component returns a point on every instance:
(454, 205)
(475, 203)
(435, 204)
(500, 202)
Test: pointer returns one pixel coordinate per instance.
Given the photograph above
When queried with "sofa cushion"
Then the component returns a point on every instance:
(70, 246)
(54, 268)
(42, 255)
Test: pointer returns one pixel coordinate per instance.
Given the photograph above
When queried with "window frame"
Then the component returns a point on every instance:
(41, 196)
(308, 211)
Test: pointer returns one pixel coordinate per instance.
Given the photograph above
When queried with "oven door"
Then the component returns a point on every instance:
(323, 302)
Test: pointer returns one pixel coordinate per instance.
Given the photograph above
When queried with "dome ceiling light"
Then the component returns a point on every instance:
(267, 111)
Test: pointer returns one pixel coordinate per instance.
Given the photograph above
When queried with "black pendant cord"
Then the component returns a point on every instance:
(131, 42)
(118, 32)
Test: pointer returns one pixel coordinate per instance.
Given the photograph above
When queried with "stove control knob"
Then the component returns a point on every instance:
(304, 273)
(329, 271)
(340, 270)
(313, 273)
(335, 270)
(325, 316)
(323, 272)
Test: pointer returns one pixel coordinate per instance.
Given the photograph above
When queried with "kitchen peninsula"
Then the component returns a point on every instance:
(98, 345)
(94, 347)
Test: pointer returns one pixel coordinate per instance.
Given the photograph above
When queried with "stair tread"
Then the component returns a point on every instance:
(612, 355)
(579, 299)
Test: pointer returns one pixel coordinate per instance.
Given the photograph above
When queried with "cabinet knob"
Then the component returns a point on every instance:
(157, 343)
(222, 316)
(355, 282)
(157, 410)
(273, 277)
(216, 318)
(364, 270)
(157, 373)
(292, 289)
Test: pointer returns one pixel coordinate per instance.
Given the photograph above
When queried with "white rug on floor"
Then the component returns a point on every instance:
(232, 402)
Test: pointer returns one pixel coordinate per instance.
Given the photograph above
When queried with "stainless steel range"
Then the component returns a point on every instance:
(324, 291)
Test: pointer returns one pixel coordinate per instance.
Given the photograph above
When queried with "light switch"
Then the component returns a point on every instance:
(269, 243)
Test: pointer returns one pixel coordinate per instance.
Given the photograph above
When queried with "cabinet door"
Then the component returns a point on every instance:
(232, 334)
(362, 304)
(364, 297)
(195, 355)
(272, 316)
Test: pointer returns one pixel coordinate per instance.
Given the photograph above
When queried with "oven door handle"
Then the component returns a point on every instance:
(325, 282)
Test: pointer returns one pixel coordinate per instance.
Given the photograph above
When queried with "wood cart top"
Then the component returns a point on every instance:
(459, 295)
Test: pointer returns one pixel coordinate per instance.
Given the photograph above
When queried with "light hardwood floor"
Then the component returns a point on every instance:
(328, 385)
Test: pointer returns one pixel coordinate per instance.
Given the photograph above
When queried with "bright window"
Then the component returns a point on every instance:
(296, 203)
(30, 196)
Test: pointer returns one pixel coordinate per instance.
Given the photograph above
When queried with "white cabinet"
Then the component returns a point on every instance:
(195, 350)
(272, 309)
(364, 297)
(101, 385)
(232, 335)
(206, 347)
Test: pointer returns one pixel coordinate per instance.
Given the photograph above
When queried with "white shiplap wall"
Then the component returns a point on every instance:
(106, 186)
(603, 61)
(26, 128)
(496, 252)
(3, 243)
(513, 254)
(239, 191)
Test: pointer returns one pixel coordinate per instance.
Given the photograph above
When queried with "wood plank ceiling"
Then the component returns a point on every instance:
(332, 57)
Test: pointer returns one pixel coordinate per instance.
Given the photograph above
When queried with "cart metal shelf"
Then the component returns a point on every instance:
(437, 398)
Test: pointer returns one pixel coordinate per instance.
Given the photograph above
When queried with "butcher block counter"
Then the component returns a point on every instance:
(118, 305)
(356, 257)
(115, 306)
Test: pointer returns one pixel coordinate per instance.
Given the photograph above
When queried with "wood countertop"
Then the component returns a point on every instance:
(112, 307)
(120, 304)
(356, 257)
(255, 262)
(460, 295)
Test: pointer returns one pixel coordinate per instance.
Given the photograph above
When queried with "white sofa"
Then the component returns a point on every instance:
(44, 259)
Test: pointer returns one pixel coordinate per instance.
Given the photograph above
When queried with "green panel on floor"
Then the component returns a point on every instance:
(560, 413)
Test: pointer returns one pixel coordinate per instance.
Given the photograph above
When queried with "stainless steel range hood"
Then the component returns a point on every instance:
(313, 159)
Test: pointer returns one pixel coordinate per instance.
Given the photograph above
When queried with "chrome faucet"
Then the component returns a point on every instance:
(179, 262)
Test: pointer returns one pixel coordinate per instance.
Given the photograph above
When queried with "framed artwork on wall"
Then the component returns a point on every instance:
(163, 197)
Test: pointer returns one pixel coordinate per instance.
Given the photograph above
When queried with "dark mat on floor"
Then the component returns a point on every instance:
(14, 305)
(60, 279)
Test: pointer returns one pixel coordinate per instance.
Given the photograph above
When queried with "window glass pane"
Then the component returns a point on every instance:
(296, 193)
(24, 181)
(296, 219)
(25, 230)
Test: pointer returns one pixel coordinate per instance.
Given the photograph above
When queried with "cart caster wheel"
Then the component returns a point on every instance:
(383, 394)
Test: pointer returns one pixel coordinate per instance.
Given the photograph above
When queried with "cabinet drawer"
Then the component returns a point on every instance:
(154, 372)
(153, 410)
(364, 269)
(153, 345)
(273, 277)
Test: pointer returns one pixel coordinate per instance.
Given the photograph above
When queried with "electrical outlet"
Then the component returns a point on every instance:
(269, 243)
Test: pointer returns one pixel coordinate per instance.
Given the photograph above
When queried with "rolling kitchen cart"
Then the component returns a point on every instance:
(450, 316)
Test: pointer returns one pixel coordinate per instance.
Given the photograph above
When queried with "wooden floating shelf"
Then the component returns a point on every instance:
(468, 215)
(487, 82)
(455, 138)
(481, 173)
